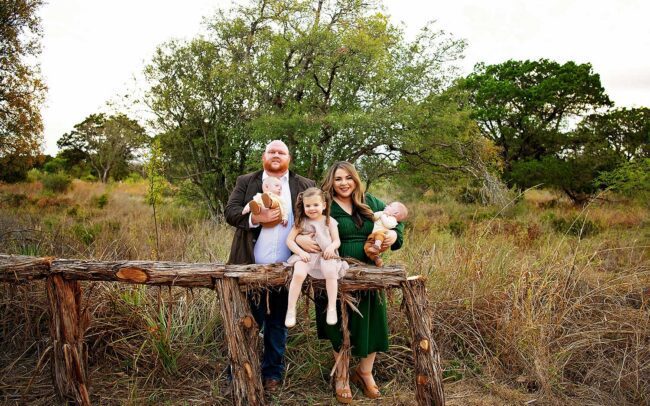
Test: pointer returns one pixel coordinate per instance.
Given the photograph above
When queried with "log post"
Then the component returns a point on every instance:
(344, 355)
(428, 372)
(241, 334)
(68, 324)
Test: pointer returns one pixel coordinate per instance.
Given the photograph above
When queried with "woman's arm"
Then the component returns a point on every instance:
(308, 243)
(295, 248)
(394, 237)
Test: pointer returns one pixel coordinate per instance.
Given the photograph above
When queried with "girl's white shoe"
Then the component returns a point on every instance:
(290, 319)
(331, 316)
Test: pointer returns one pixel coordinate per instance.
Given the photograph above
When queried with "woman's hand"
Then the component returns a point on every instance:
(391, 237)
(307, 243)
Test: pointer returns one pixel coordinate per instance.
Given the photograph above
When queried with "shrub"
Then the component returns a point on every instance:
(34, 175)
(630, 179)
(133, 178)
(576, 225)
(86, 233)
(54, 165)
(14, 199)
(56, 182)
(100, 201)
(457, 227)
(188, 193)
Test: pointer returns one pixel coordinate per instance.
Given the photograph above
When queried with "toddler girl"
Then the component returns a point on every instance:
(312, 217)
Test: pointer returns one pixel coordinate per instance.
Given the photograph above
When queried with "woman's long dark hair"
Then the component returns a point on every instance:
(360, 209)
(300, 207)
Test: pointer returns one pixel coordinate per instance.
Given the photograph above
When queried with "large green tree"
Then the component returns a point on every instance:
(623, 131)
(529, 109)
(105, 142)
(335, 80)
(21, 90)
(526, 107)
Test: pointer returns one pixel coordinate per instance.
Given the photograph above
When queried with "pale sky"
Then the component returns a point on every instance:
(93, 49)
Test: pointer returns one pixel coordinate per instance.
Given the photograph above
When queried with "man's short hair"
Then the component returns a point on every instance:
(266, 148)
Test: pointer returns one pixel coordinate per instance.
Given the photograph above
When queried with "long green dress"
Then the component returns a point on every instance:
(369, 333)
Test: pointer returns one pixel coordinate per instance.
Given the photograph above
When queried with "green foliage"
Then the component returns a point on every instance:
(105, 143)
(156, 184)
(54, 165)
(631, 179)
(335, 81)
(100, 201)
(624, 133)
(457, 227)
(160, 339)
(525, 106)
(573, 175)
(14, 167)
(56, 182)
(188, 193)
(22, 91)
(577, 226)
(86, 233)
(134, 295)
(34, 175)
(132, 178)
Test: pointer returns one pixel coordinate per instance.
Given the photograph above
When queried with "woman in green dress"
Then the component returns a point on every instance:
(353, 209)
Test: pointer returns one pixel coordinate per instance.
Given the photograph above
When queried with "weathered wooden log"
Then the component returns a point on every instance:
(428, 370)
(19, 269)
(241, 333)
(345, 352)
(358, 277)
(142, 272)
(68, 324)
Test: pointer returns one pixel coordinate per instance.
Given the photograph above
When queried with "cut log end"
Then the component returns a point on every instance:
(247, 322)
(132, 275)
(422, 380)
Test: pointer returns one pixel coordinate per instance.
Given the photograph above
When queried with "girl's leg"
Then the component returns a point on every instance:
(328, 267)
(299, 274)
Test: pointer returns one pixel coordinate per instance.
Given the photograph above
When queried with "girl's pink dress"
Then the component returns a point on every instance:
(324, 240)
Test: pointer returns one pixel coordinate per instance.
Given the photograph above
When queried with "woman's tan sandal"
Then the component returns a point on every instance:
(343, 395)
(371, 391)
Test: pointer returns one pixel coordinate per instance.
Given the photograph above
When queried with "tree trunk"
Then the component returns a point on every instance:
(68, 324)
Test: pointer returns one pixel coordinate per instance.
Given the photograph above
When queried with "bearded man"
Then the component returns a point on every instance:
(244, 250)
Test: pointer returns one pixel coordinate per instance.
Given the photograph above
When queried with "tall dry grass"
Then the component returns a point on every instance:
(527, 305)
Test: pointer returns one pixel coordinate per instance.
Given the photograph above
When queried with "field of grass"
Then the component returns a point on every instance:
(539, 302)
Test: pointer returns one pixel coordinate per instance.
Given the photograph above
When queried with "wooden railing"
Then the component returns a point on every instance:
(68, 322)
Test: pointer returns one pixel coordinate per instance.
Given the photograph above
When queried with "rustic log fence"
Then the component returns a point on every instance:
(68, 322)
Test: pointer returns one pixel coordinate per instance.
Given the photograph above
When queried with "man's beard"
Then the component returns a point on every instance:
(284, 166)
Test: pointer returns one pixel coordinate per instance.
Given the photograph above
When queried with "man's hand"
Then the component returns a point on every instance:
(307, 243)
(391, 237)
(266, 216)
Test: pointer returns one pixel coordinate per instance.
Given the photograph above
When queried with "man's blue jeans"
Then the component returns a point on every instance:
(272, 325)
